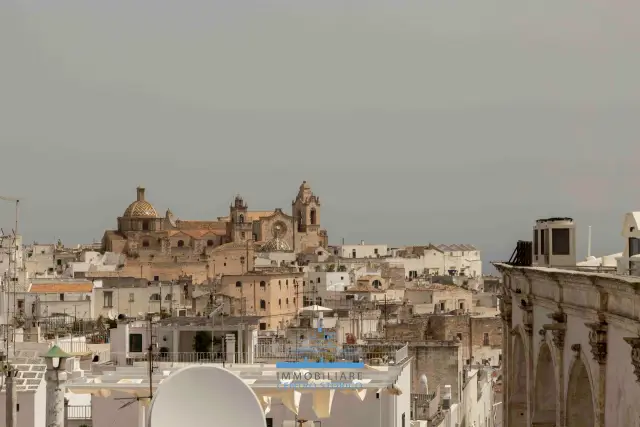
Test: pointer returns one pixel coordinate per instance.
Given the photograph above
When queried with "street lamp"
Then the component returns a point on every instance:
(56, 378)
(56, 359)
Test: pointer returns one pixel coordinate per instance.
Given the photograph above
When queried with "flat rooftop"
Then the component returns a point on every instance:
(633, 281)
(135, 379)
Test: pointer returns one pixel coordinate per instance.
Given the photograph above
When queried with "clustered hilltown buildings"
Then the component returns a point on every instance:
(249, 289)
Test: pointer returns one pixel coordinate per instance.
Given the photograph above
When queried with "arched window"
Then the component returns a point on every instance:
(241, 219)
(145, 225)
(263, 304)
(209, 242)
(263, 284)
(280, 284)
(294, 300)
(287, 300)
(280, 302)
(376, 284)
(238, 284)
(145, 243)
(155, 297)
(180, 243)
(287, 282)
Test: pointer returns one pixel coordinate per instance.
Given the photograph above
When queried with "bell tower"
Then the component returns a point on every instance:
(306, 210)
(241, 227)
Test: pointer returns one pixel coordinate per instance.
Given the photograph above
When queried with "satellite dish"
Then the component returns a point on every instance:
(212, 396)
(425, 383)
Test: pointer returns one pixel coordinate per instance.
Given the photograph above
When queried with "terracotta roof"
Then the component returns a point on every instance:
(233, 246)
(200, 225)
(250, 216)
(199, 234)
(60, 287)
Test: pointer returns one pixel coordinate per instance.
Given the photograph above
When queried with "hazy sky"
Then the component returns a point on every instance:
(414, 121)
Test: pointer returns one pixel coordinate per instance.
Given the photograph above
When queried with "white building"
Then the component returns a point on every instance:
(325, 285)
(39, 260)
(439, 260)
(176, 340)
(136, 299)
(572, 358)
(360, 251)
(11, 255)
(47, 297)
(377, 403)
(91, 261)
(30, 385)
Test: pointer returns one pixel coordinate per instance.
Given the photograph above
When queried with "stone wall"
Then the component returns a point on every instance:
(441, 362)
(492, 326)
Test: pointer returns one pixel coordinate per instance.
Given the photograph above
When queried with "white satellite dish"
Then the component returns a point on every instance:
(425, 383)
(211, 396)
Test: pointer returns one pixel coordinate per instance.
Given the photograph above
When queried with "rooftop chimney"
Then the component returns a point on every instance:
(140, 194)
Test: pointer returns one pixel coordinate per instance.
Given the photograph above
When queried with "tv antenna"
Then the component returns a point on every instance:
(151, 367)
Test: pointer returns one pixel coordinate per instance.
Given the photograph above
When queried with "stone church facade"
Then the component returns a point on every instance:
(142, 232)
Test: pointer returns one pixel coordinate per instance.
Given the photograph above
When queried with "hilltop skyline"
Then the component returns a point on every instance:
(414, 123)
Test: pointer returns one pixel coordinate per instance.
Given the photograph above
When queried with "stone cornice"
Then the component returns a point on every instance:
(610, 281)
(634, 342)
(598, 340)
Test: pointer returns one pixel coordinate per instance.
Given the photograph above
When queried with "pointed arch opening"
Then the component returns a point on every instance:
(580, 409)
(313, 216)
(546, 390)
(518, 399)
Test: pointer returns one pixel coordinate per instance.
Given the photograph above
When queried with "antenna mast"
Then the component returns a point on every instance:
(15, 275)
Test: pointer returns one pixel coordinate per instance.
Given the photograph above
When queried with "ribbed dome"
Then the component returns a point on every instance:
(140, 208)
(275, 245)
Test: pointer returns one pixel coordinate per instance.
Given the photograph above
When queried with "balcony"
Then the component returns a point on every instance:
(371, 355)
(79, 413)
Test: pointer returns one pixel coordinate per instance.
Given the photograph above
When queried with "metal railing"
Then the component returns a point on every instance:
(77, 412)
(373, 356)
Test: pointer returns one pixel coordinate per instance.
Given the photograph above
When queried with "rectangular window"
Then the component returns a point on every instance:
(135, 343)
(560, 242)
(61, 297)
(485, 339)
(535, 242)
(543, 247)
(263, 304)
(108, 299)
(634, 246)
(132, 297)
(263, 326)
(269, 422)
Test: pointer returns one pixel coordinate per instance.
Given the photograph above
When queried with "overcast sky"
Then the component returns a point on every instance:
(414, 121)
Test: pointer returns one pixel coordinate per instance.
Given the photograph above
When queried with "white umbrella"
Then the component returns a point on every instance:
(315, 307)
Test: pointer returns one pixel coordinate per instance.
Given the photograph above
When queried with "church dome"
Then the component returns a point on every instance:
(140, 208)
(275, 245)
